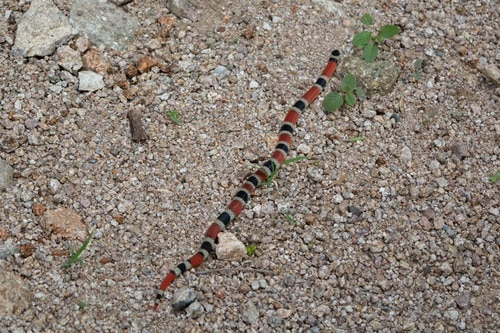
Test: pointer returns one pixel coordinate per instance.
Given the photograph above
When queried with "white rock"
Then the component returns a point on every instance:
(266, 26)
(303, 149)
(54, 186)
(230, 248)
(90, 81)
(253, 84)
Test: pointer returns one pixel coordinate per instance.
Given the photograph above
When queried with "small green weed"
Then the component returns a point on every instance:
(288, 161)
(82, 305)
(173, 115)
(348, 91)
(368, 42)
(355, 138)
(75, 256)
(289, 218)
(251, 249)
(495, 177)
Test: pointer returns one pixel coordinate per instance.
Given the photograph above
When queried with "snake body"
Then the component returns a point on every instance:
(255, 179)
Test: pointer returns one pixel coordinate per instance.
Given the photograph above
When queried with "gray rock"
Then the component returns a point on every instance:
(194, 310)
(315, 174)
(337, 198)
(463, 301)
(254, 285)
(103, 23)
(376, 325)
(330, 6)
(275, 321)
(42, 29)
(461, 150)
(181, 9)
(90, 81)
(284, 313)
(438, 223)
(8, 249)
(446, 269)
(453, 314)
(221, 71)
(442, 182)
(6, 173)
(406, 155)
(54, 186)
(253, 84)
(491, 72)
(376, 77)
(249, 312)
(182, 298)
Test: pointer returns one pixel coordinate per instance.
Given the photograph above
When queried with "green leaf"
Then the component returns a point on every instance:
(350, 99)
(361, 39)
(355, 138)
(173, 116)
(75, 256)
(273, 174)
(82, 305)
(367, 19)
(333, 101)
(388, 31)
(289, 218)
(274, 171)
(250, 249)
(294, 159)
(495, 177)
(348, 83)
(359, 92)
(370, 52)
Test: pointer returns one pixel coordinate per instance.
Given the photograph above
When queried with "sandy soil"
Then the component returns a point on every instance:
(422, 256)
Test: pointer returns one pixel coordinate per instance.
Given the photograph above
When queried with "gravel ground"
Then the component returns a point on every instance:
(398, 232)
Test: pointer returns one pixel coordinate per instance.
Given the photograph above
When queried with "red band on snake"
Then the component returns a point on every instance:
(253, 181)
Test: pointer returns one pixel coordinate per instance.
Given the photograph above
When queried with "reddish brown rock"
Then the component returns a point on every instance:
(94, 60)
(65, 223)
(26, 250)
(145, 64)
(38, 209)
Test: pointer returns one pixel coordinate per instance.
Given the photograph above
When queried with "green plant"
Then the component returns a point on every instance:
(495, 177)
(369, 42)
(173, 115)
(288, 217)
(275, 171)
(75, 256)
(417, 66)
(82, 305)
(251, 249)
(349, 89)
(355, 138)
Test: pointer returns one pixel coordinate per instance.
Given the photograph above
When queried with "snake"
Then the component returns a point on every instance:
(253, 180)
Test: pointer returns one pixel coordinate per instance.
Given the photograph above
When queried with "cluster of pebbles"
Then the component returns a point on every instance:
(394, 232)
